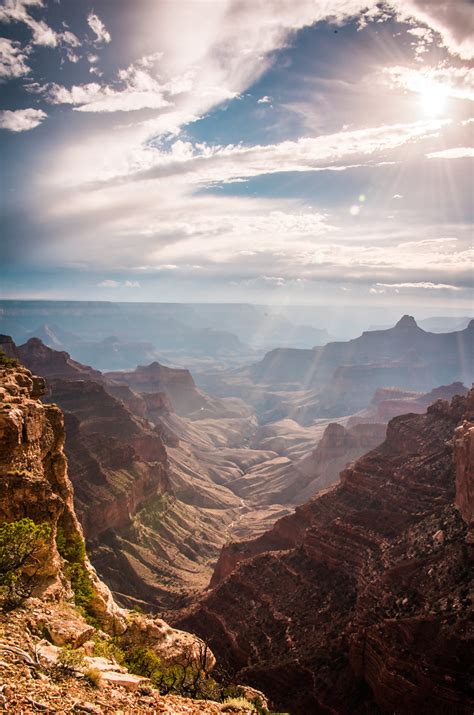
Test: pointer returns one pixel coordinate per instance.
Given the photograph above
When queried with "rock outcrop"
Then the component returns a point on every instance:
(48, 649)
(390, 402)
(50, 363)
(116, 461)
(360, 601)
(34, 483)
(178, 384)
(340, 378)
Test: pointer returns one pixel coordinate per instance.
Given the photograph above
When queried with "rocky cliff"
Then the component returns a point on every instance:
(116, 460)
(54, 644)
(34, 482)
(49, 363)
(360, 601)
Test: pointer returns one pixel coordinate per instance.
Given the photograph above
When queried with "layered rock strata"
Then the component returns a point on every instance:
(360, 601)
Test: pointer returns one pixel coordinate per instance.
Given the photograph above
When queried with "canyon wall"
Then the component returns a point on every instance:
(360, 601)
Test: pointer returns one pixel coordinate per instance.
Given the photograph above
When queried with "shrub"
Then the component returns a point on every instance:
(70, 659)
(237, 704)
(188, 680)
(6, 361)
(107, 648)
(20, 543)
(93, 677)
(73, 550)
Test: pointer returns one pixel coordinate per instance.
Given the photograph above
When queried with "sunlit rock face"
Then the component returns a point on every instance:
(34, 482)
(363, 585)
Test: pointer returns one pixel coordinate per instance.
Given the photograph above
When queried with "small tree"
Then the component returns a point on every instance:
(20, 543)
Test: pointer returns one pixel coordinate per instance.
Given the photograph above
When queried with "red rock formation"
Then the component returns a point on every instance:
(34, 482)
(391, 402)
(155, 378)
(50, 363)
(359, 601)
(8, 347)
(116, 461)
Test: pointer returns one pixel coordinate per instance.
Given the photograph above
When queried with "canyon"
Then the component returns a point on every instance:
(296, 490)
(165, 474)
(359, 601)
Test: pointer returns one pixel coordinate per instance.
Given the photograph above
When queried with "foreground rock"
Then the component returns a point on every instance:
(360, 601)
(30, 681)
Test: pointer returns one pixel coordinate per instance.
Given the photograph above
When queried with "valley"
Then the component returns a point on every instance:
(168, 470)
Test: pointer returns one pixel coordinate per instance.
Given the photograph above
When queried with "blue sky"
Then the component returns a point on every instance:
(229, 150)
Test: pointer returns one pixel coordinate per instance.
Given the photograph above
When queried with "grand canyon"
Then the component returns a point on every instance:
(308, 516)
(236, 357)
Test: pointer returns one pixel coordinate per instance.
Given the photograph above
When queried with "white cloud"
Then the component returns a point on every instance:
(461, 152)
(134, 89)
(42, 33)
(264, 100)
(16, 11)
(13, 60)
(98, 28)
(452, 19)
(109, 283)
(422, 285)
(21, 120)
(202, 163)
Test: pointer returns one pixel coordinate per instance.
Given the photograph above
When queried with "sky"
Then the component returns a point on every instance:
(270, 151)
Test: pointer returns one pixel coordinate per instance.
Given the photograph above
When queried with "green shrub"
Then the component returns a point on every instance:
(73, 550)
(20, 543)
(6, 361)
(70, 659)
(186, 680)
(107, 648)
(143, 661)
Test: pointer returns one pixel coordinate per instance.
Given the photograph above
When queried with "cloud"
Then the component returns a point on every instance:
(461, 152)
(98, 28)
(16, 11)
(13, 59)
(134, 89)
(203, 163)
(457, 82)
(109, 283)
(21, 120)
(422, 285)
(452, 19)
(42, 34)
(264, 100)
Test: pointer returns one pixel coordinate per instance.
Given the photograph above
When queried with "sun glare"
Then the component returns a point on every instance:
(433, 99)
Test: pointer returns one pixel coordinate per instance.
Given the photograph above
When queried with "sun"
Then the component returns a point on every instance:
(432, 98)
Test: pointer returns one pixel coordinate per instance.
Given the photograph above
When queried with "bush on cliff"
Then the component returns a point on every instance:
(6, 361)
(73, 550)
(189, 679)
(20, 544)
